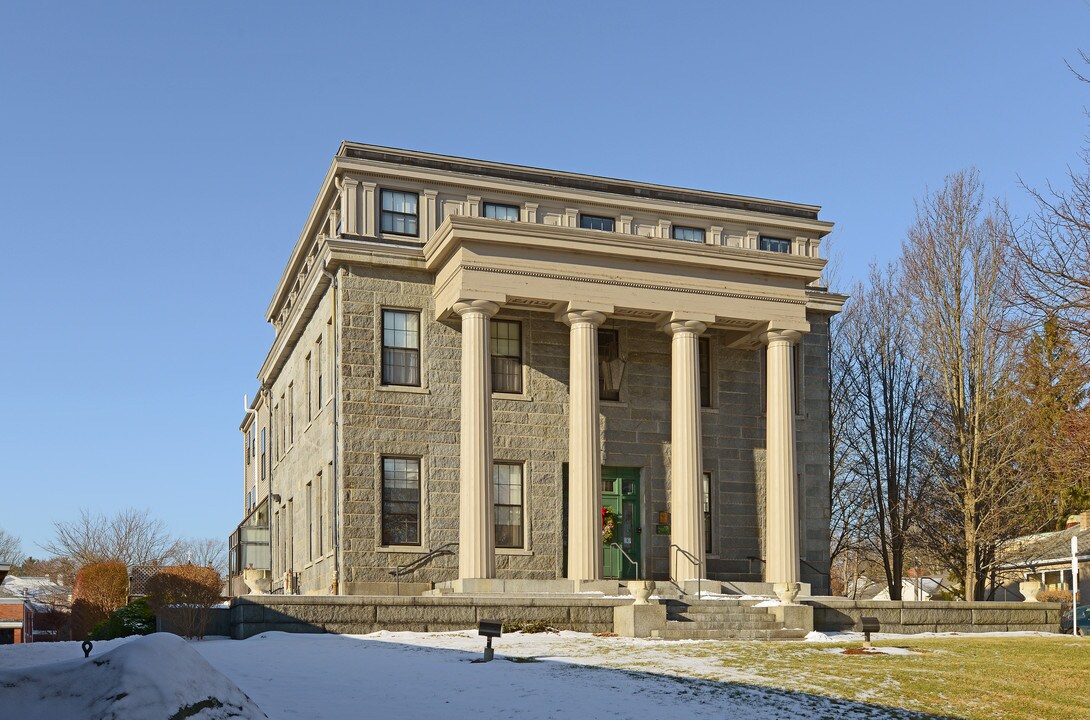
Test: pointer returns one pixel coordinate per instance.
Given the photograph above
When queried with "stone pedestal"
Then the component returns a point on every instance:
(639, 621)
(795, 617)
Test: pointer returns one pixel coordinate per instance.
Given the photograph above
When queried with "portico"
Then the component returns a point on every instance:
(482, 266)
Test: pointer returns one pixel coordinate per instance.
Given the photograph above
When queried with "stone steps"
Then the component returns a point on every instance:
(723, 619)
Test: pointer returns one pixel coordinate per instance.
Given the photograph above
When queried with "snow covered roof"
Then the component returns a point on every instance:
(32, 588)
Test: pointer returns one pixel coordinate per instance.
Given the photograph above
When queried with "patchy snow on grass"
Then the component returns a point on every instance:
(155, 677)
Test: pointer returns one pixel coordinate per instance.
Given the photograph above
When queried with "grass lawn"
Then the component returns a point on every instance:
(962, 677)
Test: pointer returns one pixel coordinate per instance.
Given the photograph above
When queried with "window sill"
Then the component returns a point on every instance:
(414, 549)
(513, 551)
(518, 397)
(412, 389)
(613, 403)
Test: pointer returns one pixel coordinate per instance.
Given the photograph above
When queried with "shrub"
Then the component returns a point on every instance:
(99, 589)
(135, 618)
(1060, 596)
(182, 597)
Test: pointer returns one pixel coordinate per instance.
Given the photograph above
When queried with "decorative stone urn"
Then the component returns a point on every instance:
(256, 580)
(787, 592)
(642, 590)
(1029, 589)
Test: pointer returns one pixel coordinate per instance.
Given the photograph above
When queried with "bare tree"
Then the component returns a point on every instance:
(129, 536)
(206, 552)
(886, 420)
(954, 260)
(11, 549)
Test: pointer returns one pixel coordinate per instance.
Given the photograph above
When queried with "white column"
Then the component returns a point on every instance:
(686, 456)
(782, 526)
(584, 460)
(476, 528)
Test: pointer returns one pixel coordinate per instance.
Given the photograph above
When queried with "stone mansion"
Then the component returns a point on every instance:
(486, 373)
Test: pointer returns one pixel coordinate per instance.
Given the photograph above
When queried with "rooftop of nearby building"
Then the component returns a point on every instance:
(1048, 548)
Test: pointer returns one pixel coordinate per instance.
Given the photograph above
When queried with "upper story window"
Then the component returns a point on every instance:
(506, 356)
(496, 211)
(595, 222)
(775, 244)
(689, 234)
(262, 453)
(400, 213)
(400, 347)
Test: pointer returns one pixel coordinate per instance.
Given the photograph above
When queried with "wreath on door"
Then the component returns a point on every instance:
(609, 525)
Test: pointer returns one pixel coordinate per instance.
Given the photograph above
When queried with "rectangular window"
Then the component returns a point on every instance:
(310, 521)
(291, 534)
(595, 222)
(609, 365)
(262, 453)
(331, 500)
(506, 356)
(688, 234)
(496, 211)
(291, 414)
(318, 367)
(708, 513)
(400, 501)
(319, 515)
(278, 438)
(705, 353)
(400, 347)
(278, 537)
(775, 244)
(309, 392)
(399, 213)
(332, 360)
(247, 439)
(507, 487)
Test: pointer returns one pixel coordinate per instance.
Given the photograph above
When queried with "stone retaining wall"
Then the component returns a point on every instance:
(837, 614)
(353, 614)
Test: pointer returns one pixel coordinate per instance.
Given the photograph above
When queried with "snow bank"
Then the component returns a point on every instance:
(154, 678)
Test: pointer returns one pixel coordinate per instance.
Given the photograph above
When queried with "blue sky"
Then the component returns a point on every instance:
(157, 163)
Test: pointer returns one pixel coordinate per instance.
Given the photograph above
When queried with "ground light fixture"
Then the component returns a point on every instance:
(489, 629)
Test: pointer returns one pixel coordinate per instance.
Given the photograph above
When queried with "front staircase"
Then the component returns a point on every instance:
(688, 618)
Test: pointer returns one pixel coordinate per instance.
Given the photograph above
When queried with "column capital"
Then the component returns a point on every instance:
(577, 317)
(675, 327)
(489, 308)
(778, 336)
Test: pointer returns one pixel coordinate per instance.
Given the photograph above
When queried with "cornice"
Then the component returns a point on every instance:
(825, 301)
(479, 184)
(449, 164)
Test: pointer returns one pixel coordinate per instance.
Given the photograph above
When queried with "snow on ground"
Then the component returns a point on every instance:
(154, 677)
(411, 675)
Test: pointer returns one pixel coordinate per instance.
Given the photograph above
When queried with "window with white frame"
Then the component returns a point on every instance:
(773, 244)
(400, 501)
(401, 347)
(508, 497)
(506, 356)
(400, 213)
(498, 211)
(688, 234)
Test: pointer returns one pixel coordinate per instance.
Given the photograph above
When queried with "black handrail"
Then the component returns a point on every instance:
(414, 565)
(692, 558)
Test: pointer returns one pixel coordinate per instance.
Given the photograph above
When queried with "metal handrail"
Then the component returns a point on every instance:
(696, 561)
(629, 557)
(414, 565)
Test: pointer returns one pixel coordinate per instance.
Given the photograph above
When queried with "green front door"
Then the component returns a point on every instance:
(621, 494)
